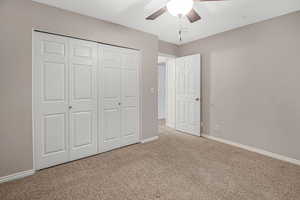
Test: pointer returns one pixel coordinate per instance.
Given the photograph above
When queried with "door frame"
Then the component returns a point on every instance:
(33, 100)
(167, 57)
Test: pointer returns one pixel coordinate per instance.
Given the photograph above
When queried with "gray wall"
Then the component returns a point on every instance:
(15, 87)
(251, 84)
(17, 17)
(168, 48)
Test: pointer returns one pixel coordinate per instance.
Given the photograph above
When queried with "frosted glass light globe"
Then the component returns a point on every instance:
(180, 7)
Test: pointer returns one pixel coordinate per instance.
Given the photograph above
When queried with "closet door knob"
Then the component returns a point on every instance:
(197, 99)
(70, 107)
(119, 103)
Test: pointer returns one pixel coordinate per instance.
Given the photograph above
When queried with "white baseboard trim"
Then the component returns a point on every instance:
(17, 175)
(149, 139)
(253, 149)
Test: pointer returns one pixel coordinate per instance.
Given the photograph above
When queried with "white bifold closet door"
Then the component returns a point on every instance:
(188, 79)
(119, 91)
(65, 99)
(83, 98)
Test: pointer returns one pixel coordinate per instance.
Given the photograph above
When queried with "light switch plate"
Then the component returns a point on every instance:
(152, 90)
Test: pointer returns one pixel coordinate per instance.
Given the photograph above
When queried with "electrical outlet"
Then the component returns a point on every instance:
(217, 128)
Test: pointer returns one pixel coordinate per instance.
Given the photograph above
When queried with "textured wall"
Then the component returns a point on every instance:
(251, 84)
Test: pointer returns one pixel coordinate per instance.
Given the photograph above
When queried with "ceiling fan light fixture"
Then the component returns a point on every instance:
(180, 7)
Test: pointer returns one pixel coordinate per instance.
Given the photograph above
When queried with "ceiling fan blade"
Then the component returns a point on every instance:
(193, 16)
(157, 13)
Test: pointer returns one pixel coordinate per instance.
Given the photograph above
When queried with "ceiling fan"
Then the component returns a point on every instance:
(179, 8)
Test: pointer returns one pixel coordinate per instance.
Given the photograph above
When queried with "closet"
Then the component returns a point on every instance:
(85, 98)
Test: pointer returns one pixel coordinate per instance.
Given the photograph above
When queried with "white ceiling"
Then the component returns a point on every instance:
(216, 16)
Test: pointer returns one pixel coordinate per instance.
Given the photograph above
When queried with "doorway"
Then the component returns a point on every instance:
(162, 89)
(179, 93)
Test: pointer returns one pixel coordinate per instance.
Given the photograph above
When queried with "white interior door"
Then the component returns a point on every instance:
(83, 98)
(119, 102)
(188, 94)
(51, 100)
(129, 97)
(65, 99)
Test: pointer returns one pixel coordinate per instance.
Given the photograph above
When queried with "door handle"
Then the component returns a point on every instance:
(197, 99)
(70, 107)
(119, 103)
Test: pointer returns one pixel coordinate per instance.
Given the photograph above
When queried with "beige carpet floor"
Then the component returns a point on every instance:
(177, 167)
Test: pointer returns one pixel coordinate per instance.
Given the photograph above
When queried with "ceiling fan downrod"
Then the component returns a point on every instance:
(180, 35)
